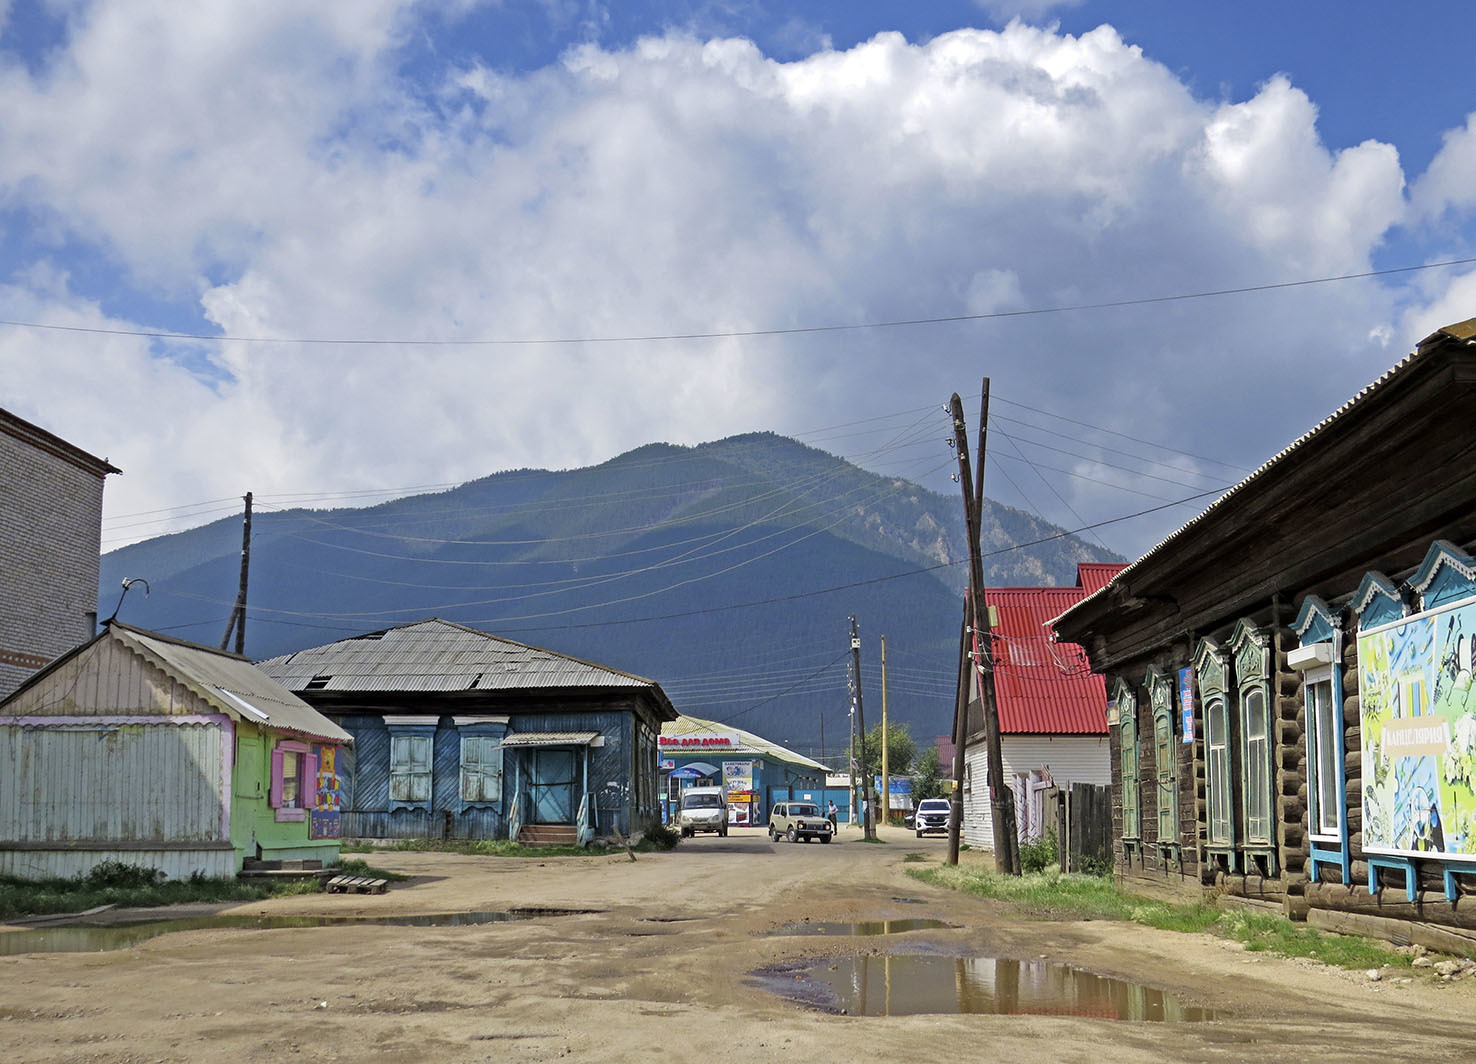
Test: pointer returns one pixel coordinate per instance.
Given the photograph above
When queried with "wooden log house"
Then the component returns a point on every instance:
(1290, 673)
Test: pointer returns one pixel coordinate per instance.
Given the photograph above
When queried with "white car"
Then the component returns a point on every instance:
(932, 815)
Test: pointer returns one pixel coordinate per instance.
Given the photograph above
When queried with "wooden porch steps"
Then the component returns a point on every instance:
(549, 835)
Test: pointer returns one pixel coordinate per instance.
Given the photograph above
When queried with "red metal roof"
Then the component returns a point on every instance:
(1042, 687)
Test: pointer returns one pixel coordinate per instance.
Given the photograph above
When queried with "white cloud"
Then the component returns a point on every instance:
(277, 170)
(1447, 183)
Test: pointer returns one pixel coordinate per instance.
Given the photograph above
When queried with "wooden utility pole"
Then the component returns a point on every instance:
(1001, 800)
(960, 729)
(868, 795)
(238, 612)
(886, 787)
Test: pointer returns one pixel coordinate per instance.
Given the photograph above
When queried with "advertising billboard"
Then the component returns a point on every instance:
(1418, 716)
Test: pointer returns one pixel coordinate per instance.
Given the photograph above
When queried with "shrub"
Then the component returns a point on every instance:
(1040, 855)
(660, 836)
(106, 874)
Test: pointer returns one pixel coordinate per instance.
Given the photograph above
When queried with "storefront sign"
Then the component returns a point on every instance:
(672, 742)
(667, 765)
(1419, 734)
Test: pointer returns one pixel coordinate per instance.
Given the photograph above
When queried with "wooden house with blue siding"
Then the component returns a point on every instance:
(1291, 672)
(463, 734)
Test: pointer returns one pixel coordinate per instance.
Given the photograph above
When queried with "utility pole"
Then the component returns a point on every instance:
(851, 765)
(1001, 800)
(868, 795)
(886, 787)
(238, 612)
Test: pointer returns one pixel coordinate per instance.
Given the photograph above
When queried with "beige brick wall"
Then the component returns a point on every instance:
(50, 537)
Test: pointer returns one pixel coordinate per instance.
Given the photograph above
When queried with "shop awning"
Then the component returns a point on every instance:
(551, 738)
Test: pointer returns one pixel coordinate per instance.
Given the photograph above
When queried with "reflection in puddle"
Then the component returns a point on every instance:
(863, 927)
(89, 938)
(906, 985)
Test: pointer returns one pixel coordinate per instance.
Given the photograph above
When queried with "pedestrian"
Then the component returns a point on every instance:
(830, 814)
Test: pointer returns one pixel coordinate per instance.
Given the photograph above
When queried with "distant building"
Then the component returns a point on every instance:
(139, 748)
(463, 734)
(756, 772)
(50, 540)
(1291, 671)
(1052, 708)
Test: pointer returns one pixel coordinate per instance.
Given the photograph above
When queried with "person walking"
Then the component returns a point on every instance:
(830, 814)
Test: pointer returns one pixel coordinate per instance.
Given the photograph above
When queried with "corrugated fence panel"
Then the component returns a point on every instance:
(128, 783)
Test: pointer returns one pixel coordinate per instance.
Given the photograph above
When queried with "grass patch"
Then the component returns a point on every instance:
(355, 867)
(1050, 895)
(913, 858)
(37, 897)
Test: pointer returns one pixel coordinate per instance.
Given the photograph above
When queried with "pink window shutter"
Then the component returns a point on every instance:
(276, 793)
(310, 781)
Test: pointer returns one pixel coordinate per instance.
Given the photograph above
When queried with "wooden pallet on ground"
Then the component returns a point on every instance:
(356, 885)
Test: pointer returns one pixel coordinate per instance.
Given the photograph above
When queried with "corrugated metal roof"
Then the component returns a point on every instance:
(1461, 332)
(563, 738)
(231, 684)
(1043, 687)
(437, 655)
(747, 742)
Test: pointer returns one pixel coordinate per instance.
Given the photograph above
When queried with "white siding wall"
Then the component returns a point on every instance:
(214, 862)
(121, 783)
(1070, 759)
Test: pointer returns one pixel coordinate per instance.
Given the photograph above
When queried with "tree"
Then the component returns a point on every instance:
(927, 780)
(901, 749)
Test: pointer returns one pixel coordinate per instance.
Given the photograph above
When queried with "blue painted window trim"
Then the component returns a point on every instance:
(485, 730)
(399, 731)
(1448, 574)
(1316, 624)
(1377, 601)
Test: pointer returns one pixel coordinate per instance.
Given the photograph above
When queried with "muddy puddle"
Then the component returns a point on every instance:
(93, 938)
(912, 984)
(862, 928)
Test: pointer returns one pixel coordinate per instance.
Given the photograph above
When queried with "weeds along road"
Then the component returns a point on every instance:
(663, 971)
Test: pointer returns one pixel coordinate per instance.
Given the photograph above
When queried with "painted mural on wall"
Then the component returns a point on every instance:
(1418, 708)
(324, 817)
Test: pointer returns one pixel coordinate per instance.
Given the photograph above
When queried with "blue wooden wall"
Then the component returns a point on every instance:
(617, 804)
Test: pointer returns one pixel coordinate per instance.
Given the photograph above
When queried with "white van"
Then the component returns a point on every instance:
(703, 809)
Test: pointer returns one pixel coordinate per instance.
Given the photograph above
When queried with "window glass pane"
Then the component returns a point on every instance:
(1257, 768)
(291, 781)
(1217, 770)
(1322, 757)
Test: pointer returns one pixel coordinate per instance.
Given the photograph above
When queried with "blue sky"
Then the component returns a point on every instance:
(464, 171)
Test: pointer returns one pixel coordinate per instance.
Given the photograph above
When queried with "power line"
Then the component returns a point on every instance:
(900, 323)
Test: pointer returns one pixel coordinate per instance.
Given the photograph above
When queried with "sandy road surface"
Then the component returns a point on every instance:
(662, 973)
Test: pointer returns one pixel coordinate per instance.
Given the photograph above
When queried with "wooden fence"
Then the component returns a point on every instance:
(1084, 826)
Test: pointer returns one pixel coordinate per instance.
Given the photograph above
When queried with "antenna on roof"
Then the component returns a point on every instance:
(128, 582)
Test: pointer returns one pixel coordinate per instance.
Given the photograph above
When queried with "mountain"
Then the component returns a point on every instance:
(725, 571)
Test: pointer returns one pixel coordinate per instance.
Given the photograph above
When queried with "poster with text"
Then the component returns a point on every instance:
(1418, 716)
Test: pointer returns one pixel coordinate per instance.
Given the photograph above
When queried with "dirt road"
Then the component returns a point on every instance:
(663, 972)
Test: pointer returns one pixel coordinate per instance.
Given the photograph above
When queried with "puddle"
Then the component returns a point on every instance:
(93, 938)
(909, 984)
(863, 927)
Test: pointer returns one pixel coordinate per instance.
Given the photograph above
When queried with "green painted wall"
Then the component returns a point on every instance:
(253, 821)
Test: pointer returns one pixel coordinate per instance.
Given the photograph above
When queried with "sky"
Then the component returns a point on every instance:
(412, 244)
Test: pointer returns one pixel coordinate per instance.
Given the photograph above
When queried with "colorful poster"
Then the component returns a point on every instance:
(1418, 713)
(738, 775)
(323, 817)
(1186, 703)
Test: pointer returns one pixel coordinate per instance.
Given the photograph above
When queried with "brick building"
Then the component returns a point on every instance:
(50, 540)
